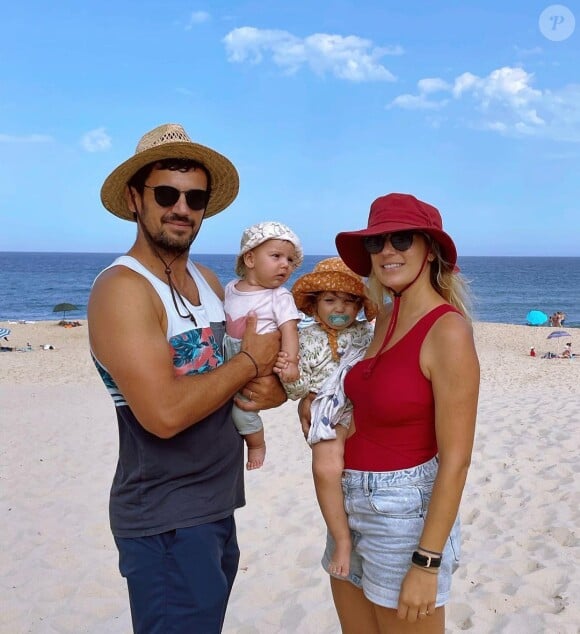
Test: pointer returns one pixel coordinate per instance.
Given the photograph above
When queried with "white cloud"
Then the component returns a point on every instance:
(510, 85)
(27, 138)
(197, 17)
(498, 126)
(432, 84)
(416, 102)
(346, 57)
(506, 93)
(464, 82)
(507, 102)
(420, 101)
(96, 140)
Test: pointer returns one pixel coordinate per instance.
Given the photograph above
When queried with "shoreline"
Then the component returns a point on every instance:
(10, 323)
(519, 512)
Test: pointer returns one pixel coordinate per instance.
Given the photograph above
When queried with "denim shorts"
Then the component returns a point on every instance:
(386, 514)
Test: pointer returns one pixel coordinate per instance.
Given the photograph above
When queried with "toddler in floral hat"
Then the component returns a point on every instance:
(334, 296)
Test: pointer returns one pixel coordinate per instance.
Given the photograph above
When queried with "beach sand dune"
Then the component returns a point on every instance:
(520, 513)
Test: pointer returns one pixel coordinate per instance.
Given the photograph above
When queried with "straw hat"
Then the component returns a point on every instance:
(388, 214)
(261, 232)
(165, 142)
(332, 275)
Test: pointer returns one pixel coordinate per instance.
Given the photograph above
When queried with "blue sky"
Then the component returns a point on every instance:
(322, 106)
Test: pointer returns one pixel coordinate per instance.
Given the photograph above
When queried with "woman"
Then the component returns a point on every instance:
(414, 401)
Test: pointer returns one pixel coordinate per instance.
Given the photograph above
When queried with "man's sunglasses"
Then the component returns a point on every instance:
(167, 196)
(400, 241)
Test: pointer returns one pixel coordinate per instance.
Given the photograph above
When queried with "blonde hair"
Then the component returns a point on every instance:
(452, 286)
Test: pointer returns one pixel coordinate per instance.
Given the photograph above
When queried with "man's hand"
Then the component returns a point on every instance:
(263, 349)
(262, 393)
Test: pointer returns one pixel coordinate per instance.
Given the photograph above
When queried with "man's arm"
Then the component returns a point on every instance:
(127, 335)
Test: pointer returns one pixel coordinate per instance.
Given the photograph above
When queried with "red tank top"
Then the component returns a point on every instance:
(393, 409)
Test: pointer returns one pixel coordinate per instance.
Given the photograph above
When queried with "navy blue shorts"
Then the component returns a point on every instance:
(180, 581)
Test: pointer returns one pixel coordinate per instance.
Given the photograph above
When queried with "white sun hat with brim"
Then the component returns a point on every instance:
(259, 233)
(170, 141)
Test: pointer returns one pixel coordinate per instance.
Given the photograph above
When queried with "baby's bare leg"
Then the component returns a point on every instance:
(327, 465)
(256, 449)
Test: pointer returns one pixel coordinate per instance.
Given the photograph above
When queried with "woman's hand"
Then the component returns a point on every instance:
(417, 596)
(304, 413)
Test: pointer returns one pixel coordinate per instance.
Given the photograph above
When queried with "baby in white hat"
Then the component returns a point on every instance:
(269, 254)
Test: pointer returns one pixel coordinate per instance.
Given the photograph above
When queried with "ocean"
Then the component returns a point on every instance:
(505, 289)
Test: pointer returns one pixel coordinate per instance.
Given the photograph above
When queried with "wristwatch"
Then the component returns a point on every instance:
(425, 561)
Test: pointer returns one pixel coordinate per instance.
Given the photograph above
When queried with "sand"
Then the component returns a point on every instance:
(520, 512)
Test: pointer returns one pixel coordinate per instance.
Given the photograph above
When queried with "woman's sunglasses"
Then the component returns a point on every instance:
(167, 196)
(400, 241)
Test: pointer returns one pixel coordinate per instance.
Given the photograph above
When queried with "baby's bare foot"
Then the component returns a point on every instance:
(256, 457)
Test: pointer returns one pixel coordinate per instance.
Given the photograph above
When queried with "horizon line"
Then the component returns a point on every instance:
(322, 255)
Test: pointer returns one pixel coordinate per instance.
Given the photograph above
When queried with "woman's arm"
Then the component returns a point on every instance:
(449, 360)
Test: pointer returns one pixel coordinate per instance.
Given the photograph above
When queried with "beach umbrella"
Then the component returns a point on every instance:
(556, 334)
(4, 332)
(64, 308)
(536, 318)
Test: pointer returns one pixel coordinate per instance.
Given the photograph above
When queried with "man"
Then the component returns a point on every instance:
(156, 324)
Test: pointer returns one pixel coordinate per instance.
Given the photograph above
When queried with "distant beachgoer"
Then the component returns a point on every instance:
(269, 254)
(567, 352)
(532, 352)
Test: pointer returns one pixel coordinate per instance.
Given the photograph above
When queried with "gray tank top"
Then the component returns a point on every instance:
(197, 476)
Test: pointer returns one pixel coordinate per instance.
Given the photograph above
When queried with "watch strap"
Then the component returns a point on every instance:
(425, 561)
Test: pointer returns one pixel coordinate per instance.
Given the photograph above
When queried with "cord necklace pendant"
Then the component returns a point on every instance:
(174, 291)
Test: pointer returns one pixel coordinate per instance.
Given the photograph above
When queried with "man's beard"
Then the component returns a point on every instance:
(168, 244)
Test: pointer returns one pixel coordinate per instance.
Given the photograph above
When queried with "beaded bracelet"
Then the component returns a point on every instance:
(431, 571)
(430, 552)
